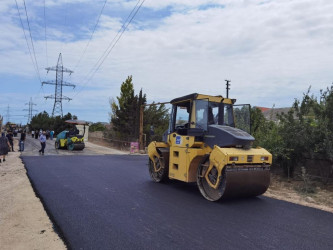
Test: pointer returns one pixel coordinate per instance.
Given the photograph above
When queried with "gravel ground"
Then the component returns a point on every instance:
(24, 223)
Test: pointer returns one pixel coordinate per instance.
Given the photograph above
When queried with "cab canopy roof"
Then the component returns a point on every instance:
(77, 122)
(196, 96)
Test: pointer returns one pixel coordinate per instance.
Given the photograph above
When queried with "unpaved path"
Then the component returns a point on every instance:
(282, 189)
(24, 223)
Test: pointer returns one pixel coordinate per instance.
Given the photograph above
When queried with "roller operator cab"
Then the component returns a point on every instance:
(72, 139)
(208, 142)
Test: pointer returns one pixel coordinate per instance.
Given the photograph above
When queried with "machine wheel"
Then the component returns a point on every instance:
(57, 145)
(162, 172)
(70, 146)
(207, 191)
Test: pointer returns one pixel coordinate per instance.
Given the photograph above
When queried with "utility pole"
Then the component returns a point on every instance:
(58, 97)
(30, 110)
(7, 114)
(1, 120)
(228, 85)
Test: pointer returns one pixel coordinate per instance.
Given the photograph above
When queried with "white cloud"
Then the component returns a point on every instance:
(271, 51)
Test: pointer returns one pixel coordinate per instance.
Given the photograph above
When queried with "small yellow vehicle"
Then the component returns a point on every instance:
(71, 139)
(204, 145)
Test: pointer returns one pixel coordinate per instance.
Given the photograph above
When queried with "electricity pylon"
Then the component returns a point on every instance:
(30, 110)
(58, 97)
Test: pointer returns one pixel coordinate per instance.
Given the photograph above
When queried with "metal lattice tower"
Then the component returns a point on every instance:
(30, 110)
(58, 97)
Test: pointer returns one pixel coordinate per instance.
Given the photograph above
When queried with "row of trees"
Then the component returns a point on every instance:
(46, 122)
(303, 137)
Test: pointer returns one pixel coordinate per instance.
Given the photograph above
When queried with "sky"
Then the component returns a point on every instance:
(272, 51)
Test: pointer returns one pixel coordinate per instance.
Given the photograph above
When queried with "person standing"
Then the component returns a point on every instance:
(10, 139)
(36, 134)
(4, 146)
(33, 133)
(21, 143)
(51, 134)
(42, 140)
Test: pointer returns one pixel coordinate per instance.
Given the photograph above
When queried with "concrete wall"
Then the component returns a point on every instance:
(96, 134)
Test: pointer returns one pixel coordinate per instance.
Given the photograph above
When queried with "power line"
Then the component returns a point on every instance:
(85, 49)
(32, 43)
(47, 63)
(119, 34)
(26, 39)
(112, 44)
(66, 14)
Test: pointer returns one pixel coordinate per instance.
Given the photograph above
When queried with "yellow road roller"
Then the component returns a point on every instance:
(209, 142)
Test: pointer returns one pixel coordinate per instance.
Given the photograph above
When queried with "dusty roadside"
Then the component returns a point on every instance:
(24, 223)
(282, 189)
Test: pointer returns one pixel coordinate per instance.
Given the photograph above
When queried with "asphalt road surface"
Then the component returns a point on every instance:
(109, 202)
(32, 146)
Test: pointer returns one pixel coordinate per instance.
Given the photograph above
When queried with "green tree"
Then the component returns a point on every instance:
(45, 122)
(306, 132)
(41, 121)
(98, 126)
(125, 115)
(242, 117)
(323, 125)
(155, 122)
(266, 133)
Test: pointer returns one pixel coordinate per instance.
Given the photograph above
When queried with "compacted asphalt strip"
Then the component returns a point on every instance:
(109, 202)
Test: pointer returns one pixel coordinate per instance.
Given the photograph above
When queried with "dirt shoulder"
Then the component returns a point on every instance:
(24, 223)
(282, 189)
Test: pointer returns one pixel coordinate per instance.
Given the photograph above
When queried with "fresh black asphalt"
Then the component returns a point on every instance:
(109, 202)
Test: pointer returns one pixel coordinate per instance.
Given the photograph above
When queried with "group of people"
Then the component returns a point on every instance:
(7, 144)
(42, 136)
(48, 134)
(7, 141)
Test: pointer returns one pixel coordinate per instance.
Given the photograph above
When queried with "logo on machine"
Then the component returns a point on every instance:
(178, 140)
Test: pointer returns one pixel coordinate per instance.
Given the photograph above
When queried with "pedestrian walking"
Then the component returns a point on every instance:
(51, 134)
(22, 139)
(42, 140)
(4, 147)
(10, 139)
(36, 134)
(33, 134)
